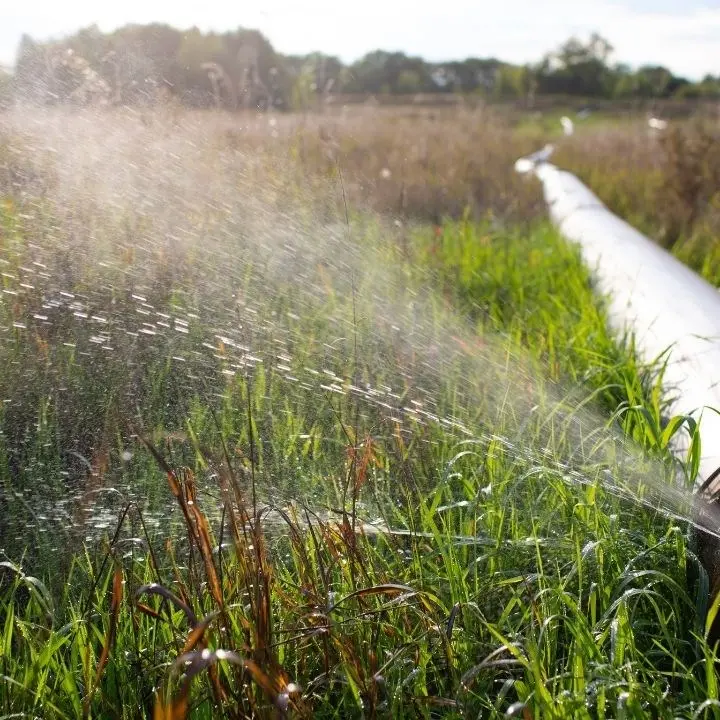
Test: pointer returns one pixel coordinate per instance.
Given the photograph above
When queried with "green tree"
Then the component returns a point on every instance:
(578, 68)
(408, 82)
(192, 83)
(511, 82)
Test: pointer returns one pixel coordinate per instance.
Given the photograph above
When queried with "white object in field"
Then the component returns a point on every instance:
(529, 163)
(567, 125)
(667, 306)
(657, 124)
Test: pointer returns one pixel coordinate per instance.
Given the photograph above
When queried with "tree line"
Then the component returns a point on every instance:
(147, 63)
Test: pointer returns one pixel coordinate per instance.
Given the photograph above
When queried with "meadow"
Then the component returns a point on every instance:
(315, 415)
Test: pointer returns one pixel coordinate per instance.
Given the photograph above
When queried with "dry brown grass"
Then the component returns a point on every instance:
(667, 184)
(422, 163)
(425, 164)
(407, 162)
(430, 163)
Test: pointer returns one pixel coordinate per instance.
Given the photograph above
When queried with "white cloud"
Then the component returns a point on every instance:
(684, 37)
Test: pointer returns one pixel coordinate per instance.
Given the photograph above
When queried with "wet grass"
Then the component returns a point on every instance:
(255, 464)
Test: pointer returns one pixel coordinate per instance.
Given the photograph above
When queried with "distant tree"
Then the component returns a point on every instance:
(369, 73)
(650, 81)
(142, 59)
(380, 72)
(675, 85)
(578, 68)
(240, 68)
(653, 81)
(191, 81)
(263, 78)
(303, 89)
(707, 88)
(224, 91)
(511, 82)
(409, 82)
(89, 43)
(475, 74)
(315, 78)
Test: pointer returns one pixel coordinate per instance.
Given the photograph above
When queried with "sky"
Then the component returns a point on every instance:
(683, 35)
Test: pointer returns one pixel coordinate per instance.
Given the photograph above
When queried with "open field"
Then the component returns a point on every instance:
(316, 416)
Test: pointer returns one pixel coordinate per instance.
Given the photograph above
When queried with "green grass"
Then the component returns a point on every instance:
(545, 125)
(323, 551)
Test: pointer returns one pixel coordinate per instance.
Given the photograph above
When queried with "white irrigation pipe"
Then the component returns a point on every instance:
(666, 305)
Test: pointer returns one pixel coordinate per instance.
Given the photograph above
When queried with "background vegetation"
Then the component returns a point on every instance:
(146, 64)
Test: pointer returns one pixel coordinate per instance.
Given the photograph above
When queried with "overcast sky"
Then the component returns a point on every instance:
(684, 35)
